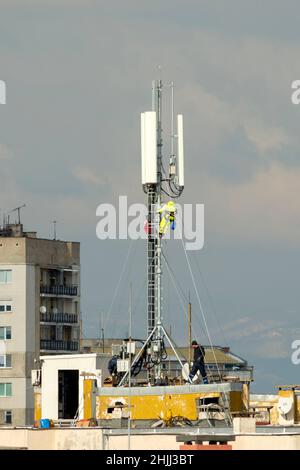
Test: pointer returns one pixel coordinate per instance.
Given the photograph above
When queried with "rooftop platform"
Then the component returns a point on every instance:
(170, 389)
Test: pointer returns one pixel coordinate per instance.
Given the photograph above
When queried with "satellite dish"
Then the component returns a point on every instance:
(43, 309)
(285, 405)
(185, 371)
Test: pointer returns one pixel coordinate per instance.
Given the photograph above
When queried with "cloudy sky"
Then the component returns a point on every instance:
(79, 73)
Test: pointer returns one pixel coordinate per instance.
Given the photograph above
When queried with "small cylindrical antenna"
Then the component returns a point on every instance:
(190, 330)
(172, 163)
(153, 95)
(102, 331)
(180, 155)
(143, 148)
(54, 229)
(172, 119)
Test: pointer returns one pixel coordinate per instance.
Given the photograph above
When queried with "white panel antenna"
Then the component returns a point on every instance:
(149, 147)
(143, 148)
(180, 155)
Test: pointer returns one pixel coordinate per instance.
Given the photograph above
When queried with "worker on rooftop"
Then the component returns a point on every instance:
(198, 364)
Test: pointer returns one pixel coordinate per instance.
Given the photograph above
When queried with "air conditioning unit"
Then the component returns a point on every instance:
(36, 377)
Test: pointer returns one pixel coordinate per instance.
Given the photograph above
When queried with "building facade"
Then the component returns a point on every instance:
(60, 394)
(39, 313)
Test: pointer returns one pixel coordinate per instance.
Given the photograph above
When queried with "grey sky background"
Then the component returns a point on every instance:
(79, 73)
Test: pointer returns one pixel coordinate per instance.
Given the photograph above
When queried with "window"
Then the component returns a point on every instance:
(8, 417)
(5, 361)
(5, 308)
(5, 389)
(5, 276)
(5, 332)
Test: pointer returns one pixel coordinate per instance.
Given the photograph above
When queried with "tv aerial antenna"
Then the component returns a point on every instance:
(18, 210)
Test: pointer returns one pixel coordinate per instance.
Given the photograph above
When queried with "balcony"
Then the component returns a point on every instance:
(57, 345)
(58, 318)
(59, 290)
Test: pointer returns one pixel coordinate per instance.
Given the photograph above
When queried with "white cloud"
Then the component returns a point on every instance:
(264, 210)
(267, 338)
(5, 152)
(266, 139)
(88, 176)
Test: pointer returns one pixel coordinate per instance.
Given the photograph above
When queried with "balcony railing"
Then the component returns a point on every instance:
(57, 345)
(217, 373)
(58, 290)
(58, 317)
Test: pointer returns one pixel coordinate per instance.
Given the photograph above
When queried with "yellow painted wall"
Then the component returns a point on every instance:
(273, 410)
(154, 407)
(163, 406)
(87, 398)
(37, 406)
(298, 409)
(274, 414)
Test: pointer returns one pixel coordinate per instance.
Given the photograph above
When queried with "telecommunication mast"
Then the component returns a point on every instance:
(154, 180)
(158, 186)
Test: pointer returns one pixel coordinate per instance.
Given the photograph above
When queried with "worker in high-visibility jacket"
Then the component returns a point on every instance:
(168, 212)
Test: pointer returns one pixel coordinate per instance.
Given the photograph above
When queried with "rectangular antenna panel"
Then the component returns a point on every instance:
(130, 347)
(122, 365)
(142, 148)
(180, 156)
(149, 147)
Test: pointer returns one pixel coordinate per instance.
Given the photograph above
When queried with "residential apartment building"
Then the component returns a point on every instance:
(39, 313)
